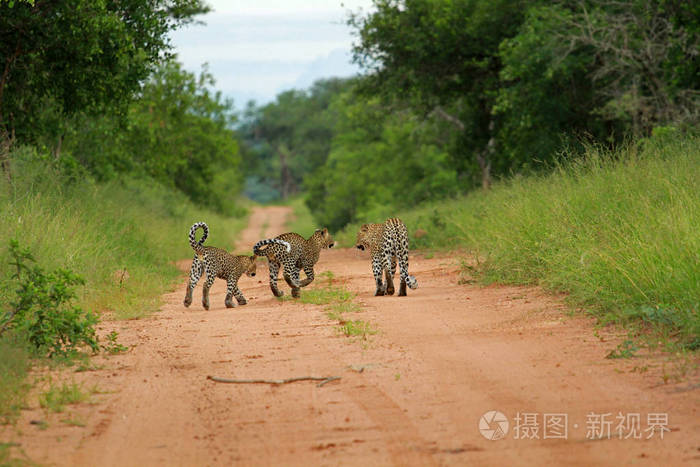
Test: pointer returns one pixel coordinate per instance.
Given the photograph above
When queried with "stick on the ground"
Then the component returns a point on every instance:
(323, 379)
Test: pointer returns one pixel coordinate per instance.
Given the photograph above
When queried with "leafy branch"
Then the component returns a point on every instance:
(42, 309)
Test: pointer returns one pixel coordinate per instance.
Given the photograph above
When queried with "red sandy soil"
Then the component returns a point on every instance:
(411, 394)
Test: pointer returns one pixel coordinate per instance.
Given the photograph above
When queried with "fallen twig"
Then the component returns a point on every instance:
(323, 379)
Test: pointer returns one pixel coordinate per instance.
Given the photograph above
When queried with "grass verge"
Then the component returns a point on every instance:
(123, 237)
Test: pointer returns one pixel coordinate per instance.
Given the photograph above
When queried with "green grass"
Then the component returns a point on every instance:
(8, 460)
(123, 237)
(325, 295)
(14, 365)
(56, 398)
(338, 301)
(336, 310)
(357, 328)
(618, 232)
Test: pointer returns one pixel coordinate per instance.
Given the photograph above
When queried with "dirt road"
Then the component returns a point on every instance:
(411, 394)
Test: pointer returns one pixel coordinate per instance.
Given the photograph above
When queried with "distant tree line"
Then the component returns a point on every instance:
(456, 93)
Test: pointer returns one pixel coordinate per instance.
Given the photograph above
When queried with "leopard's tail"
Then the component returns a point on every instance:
(197, 245)
(411, 281)
(402, 254)
(262, 252)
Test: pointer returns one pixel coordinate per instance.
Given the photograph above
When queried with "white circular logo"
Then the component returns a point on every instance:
(493, 425)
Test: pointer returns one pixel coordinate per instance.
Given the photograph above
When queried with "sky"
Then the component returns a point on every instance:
(257, 48)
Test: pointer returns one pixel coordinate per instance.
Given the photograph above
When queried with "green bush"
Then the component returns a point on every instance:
(42, 310)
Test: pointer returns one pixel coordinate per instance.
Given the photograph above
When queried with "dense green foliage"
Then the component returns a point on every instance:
(288, 139)
(617, 232)
(378, 160)
(179, 133)
(79, 55)
(459, 92)
(42, 311)
(94, 83)
(516, 77)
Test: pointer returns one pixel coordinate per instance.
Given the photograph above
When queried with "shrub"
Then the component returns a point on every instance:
(42, 309)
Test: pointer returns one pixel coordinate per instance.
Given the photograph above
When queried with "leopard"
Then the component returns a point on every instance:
(303, 254)
(217, 262)
(387, 243)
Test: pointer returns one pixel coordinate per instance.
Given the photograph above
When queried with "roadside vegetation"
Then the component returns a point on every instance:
(109, 151)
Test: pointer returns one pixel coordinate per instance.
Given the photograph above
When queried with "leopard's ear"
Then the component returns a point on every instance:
(364, 228)
(325, 231)
(252, 258)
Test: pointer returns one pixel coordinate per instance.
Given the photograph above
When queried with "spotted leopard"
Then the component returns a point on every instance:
(387, 243)
(216, 263)
(302, 254)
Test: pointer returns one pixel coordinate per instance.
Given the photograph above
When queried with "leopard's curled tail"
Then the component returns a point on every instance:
(259, 252)
(197, 245)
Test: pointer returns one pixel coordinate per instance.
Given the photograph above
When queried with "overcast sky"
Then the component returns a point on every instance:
(257, 48)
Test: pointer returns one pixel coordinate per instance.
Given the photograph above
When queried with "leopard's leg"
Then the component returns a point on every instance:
(291, 275)
(195, 274)
(309, 271)
(377, 271)
(389, 271)
(274, 272)
(207, 285)
(234, 291)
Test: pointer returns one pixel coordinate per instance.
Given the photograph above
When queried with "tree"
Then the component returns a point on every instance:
(79, 55)
(379, 162)
(647, 55)
(178, 132)
(441, 57)
(546, 97)
(288, 139)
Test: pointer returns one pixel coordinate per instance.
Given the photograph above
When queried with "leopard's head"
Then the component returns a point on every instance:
(366, 236)
(324, 238)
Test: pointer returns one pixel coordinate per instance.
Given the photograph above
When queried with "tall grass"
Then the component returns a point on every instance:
(123, 237)
(618, 231)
